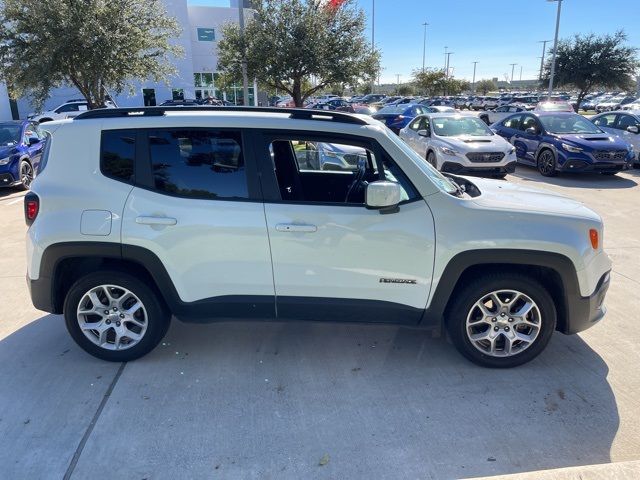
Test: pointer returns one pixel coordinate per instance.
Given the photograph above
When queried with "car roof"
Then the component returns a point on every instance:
(450, 114)
(548, 113)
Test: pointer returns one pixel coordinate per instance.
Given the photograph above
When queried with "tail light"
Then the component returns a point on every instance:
(399, 118)
(31, 207)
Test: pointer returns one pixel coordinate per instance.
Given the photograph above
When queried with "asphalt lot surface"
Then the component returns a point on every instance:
(276, 400)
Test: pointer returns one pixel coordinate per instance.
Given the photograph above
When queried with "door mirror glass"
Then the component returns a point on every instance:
(424, 133)
(531, 131)
(630, 129)
(383, 194)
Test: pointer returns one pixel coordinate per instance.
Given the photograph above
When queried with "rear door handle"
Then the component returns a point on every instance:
(295, 227)
(156, 220)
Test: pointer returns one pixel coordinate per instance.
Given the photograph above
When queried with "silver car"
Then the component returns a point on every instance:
(624, 124)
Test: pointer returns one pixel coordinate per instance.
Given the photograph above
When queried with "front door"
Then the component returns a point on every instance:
(334, 259)
(198, 212)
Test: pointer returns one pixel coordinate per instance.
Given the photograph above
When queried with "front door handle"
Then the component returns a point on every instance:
(150, 220)
(296, 227)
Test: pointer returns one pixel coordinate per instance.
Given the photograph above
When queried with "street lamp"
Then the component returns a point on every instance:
(544, 47)
(373, 38)
(473, 82)
(555, 46)
(424, 45)
(513, 65)
(446, 85)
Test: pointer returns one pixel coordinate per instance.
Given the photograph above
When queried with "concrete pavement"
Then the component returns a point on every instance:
(276, 400)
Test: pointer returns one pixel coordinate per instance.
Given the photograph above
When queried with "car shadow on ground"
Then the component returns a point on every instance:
(11, 192)
(577, 180)
(296, 400)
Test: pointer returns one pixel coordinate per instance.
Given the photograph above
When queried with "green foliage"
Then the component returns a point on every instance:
(435, 82)
(405, 89)
(288, 42)
(589, 61)
(485, 86)
(94, 45)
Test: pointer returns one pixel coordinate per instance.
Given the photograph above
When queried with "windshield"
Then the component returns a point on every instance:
(393, 109)
(459, 126)
(439, 180)
(9, 134)
(567, 124)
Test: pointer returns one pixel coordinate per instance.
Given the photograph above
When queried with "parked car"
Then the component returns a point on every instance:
(397, 117)
(438, 109)
(624, 125)
(563, 142)
(497, 114)
(459, 144)
(68, 109)
(554, 106)
(614, 103)
(329, 156)
(332, 104)
(372, 98)
(632, 106)
(187, 102)
(21, 146)
(242, 233)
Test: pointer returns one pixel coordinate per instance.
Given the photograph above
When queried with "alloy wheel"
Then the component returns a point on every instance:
(112, 317)
(546, 163)
(503, 323)
(26, 174)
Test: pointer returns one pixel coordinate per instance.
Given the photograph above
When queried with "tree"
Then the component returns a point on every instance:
(405, 90)
(589, 61)
(455, 86)
(290, 41)
(429, 81)
(95, 45)
(486, 86)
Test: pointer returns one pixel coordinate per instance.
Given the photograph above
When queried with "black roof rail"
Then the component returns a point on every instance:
(297, 113)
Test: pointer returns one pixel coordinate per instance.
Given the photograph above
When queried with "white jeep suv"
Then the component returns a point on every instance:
(205, 214)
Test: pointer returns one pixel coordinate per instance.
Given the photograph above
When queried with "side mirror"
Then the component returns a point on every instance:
(382, 194)
(32, 141)
(531, 131)
(632, 129)
(424, 133)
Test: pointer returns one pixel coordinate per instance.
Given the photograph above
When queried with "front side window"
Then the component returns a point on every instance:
(513, 122)
(198, 163)
(606, 120)
(626, 121)
(117, 153)
(69, 107)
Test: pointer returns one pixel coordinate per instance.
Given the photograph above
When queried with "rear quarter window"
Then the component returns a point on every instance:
(117, 154)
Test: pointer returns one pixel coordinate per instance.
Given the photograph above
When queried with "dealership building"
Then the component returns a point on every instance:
(196, 69)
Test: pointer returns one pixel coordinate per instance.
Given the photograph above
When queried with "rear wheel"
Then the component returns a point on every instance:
(501, 321)
(546, 163)
(114, 316)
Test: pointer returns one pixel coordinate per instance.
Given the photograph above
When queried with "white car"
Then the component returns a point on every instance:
(69, 109)
(614, 103)
(492, 116)
(459, 144)
(624, 124)
(206, 215)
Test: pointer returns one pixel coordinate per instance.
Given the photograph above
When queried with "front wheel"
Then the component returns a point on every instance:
(26, 174)
(501, 321)
(114, 316)
(431, 159)
(546, 163)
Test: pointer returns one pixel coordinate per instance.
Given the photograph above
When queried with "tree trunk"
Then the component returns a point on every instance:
(581, 96)
(297, 92)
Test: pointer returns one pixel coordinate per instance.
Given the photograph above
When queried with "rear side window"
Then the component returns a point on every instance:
(117, 153)
(198, 163)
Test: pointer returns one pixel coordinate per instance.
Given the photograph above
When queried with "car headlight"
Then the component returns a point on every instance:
(4, 161)
(511, 151)
(571, 148)
(448, 151)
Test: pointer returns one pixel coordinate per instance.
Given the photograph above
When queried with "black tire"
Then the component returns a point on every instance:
(499, 176)
(475, 290)
(158, 317)
(25, 170)
(546, 163)
(431, 159)
(609, 174)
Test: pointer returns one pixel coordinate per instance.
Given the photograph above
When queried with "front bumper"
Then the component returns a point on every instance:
(455, 167)
(580, 165)
(584, 312)
(8, 180)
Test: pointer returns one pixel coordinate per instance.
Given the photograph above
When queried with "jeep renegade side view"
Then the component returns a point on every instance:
(218, 213)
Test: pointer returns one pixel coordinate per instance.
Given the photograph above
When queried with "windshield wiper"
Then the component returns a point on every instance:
(460, 189)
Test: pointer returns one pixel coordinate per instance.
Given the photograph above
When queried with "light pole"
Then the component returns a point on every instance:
(424, 45)
(373, 38)
(513, 65)
(446, 84)
(245, 80)
(445, 60)
(398, 82)
(555, 47)
(520, 72)
(473, 82)
(544, 47)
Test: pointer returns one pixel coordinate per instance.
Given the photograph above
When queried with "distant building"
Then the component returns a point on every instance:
(196, 70)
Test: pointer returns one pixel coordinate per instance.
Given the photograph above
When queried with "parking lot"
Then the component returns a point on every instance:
(293, 400)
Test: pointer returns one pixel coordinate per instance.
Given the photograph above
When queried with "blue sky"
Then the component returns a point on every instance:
(496, 33)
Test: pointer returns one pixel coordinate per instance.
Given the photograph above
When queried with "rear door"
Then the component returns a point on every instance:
(196, 207)
(334, 259)
(625, 121)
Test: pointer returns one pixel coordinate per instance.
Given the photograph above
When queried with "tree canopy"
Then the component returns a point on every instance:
(485, 86)
(434, 82)
(289, 41)
(98, 46)
(591, 61)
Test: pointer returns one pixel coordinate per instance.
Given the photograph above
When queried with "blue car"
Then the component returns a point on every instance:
(564, 142)
(396, 117)
(21, 147)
